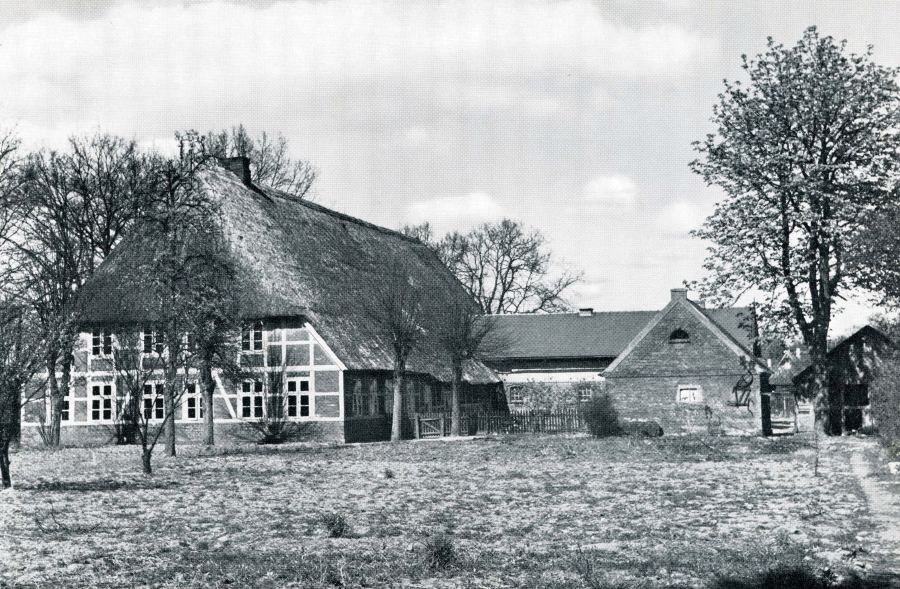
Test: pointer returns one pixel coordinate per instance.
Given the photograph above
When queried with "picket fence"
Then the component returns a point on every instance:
(436, 424)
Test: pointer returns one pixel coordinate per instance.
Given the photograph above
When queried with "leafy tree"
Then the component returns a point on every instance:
(270, 164)
(504, 266)
(802, 153)
(20, 359)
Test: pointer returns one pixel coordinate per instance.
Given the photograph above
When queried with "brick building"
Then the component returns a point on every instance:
(687, 367)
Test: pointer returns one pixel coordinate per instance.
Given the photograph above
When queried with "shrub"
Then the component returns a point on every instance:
(601, 416)
(337, 525)
(643, 429)
(440, 553)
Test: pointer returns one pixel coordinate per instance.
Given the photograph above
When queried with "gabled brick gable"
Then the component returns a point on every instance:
(652, 355)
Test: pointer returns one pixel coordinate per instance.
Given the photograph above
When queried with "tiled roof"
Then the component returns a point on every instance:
(600, 335)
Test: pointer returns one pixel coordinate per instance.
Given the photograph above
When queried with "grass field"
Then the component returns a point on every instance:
(530, 511)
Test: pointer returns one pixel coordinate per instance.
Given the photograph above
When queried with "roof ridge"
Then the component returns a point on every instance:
(342, 216)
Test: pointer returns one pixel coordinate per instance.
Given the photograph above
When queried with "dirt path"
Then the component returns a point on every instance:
(884, 507)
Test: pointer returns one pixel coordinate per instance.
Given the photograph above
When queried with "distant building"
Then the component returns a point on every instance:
(687, 367)
(309, 273)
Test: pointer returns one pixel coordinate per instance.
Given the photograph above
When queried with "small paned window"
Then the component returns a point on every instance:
(297, 404)
(690, 394)
(101, 403)
(101, 342)
(153, 402)
(252, 337)
(585, 394)
(194, 403)
(65, 409)
(153, 341)
(679, 336)
(252, 401)
(516, 395)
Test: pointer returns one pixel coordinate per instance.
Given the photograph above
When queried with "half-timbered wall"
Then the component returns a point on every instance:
(286, 349)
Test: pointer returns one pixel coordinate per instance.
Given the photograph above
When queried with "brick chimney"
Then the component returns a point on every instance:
(586, 312)
(240, 166)
(679, 294)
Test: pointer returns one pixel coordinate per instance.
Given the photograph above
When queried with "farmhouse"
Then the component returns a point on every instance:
(684, 366)
(308, 274)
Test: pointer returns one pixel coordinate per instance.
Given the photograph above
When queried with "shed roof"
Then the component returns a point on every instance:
(598, 335)
(298, 258)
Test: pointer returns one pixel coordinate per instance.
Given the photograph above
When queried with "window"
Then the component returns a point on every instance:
(101, 342)
(585, 394)
(101, 403)
(153, 341)
(252, 401)
(516, 395)
(153, 402)
(65, 409)
(193, 403)
(679, 336)
(358, 406)
(298, 404)
(252, 337)
(690, 394)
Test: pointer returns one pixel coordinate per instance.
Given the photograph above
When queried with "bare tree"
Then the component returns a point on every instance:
(151, 383)
(504, 266)
(467, 335)
(395, 310)
(20, 359)
(270, 164)
(63, 214)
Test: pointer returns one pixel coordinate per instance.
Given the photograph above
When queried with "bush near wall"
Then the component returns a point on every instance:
(550, 396)
(884, 403)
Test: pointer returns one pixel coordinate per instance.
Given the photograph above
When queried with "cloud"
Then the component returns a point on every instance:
(455, 213)
(615, 189)
(678, 219)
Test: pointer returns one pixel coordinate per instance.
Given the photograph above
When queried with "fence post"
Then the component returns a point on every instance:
(416, 425)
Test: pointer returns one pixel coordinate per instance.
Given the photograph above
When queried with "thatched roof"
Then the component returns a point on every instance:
(297, 258)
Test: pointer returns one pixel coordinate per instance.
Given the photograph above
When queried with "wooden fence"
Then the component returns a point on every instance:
(435, 424)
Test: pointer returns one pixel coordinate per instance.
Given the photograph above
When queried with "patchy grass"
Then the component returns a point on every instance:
(516, 511)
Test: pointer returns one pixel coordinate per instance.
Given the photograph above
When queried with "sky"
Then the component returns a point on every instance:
(576, 118)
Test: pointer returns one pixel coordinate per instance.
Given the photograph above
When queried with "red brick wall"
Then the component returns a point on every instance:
(645, 384)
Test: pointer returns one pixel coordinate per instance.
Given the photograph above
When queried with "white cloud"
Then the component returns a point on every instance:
(678, 219)
(455, 213)
(615, 189)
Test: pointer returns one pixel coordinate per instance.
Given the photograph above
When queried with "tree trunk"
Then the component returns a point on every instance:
(53, 439)
(397, 421)
(454, 401)
(146, 454)
(821, 405)
(169, 424)
(208, 386)
(4, 460)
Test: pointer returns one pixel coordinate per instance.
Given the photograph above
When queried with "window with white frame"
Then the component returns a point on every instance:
(102, 402)
(252, 398)
(516, 395)
(690, 393)
(65, 409)
(298, 399)
(153, 341)
(101, 342)
(585, 394)
(252, 337)
(193, 402)
(154, 408)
